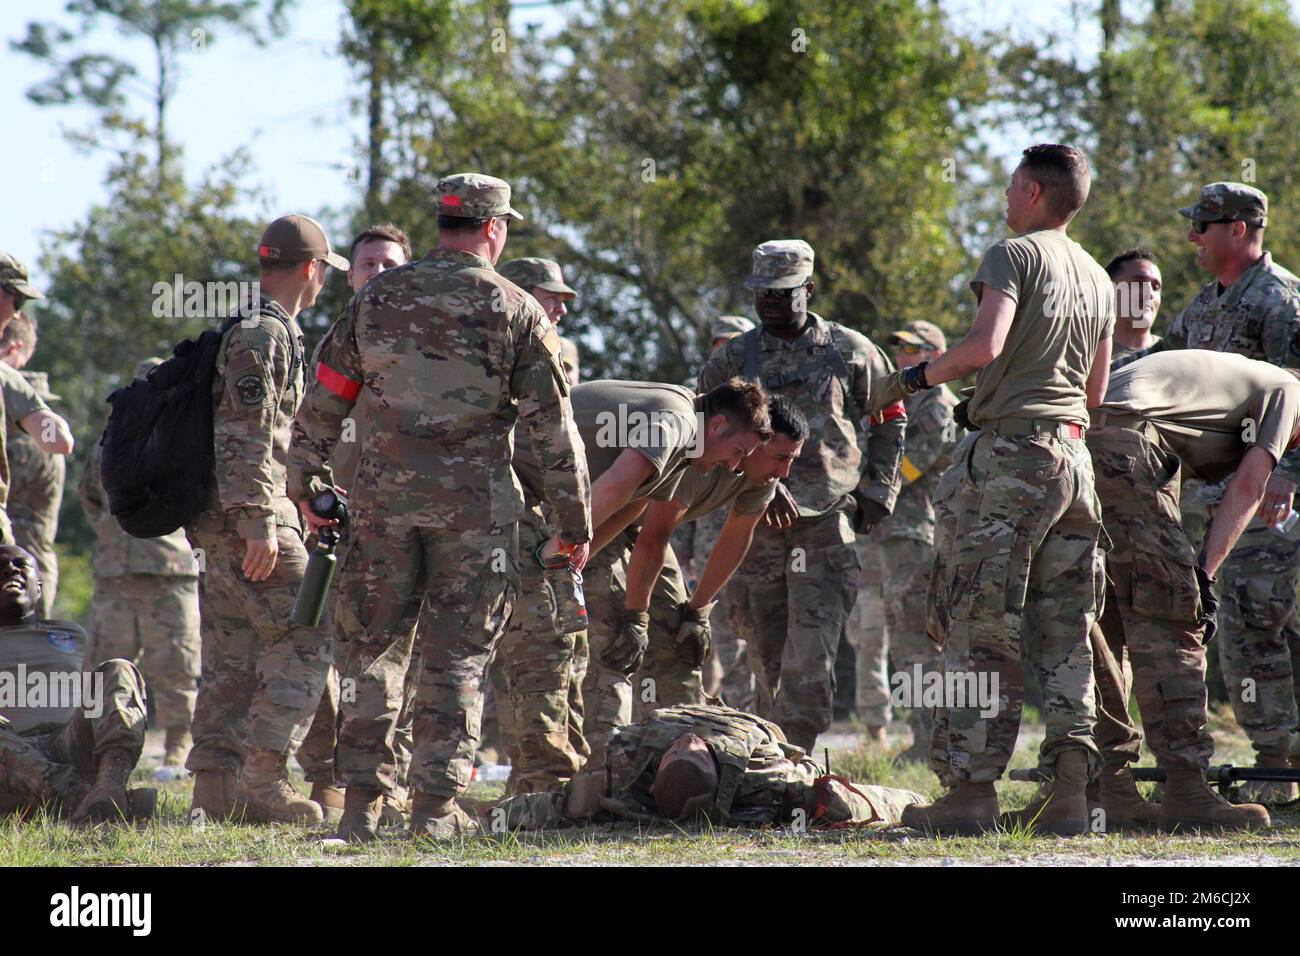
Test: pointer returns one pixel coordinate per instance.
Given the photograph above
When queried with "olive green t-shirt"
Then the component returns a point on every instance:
(1209, 407)
(1065, 305)
(20, 400)
(704, 492)
(657, 420)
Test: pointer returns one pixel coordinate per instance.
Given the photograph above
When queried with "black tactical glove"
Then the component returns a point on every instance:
(1209, 604)
(914, 379)
(694, 636)
(626, 651)
(867, 513)
(961, 415)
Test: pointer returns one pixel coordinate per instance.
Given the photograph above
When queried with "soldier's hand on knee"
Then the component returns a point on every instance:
(259, 558)
(694, 638)
(627, 649)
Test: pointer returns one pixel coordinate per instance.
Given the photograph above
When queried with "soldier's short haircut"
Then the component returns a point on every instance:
(272, 266)
(461, 223)
(384, 232)
(1063, 173)
(20, 330)
(1136, 254)
(742, 403)
(786, 418)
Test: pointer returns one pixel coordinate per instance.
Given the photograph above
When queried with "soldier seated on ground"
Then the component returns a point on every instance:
(700, 761)
(72, 756)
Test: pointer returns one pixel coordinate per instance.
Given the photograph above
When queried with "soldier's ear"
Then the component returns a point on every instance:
(809, 287)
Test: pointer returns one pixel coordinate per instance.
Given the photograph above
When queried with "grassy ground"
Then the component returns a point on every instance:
(170, 841)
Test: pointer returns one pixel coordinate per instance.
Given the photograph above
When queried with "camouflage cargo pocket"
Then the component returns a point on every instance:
(1259, 602)
(1163, 589)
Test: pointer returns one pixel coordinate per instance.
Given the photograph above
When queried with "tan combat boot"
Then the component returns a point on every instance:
(1269, 791)
(214, 795)
(1190, 803)
(359, 821)
(1061, 807)
(967, 809)
(107, 799)
(177, 746)
(264, 794)
(1121, 803)
(397, 808)
(330, 799)
(439, 818)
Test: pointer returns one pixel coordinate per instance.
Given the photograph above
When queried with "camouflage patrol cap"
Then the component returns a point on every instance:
(474, 196)
(1233, 202)
(569, 353)
(298, 239)
(920, 333)
(146, 366)
(537, 274)
(14, 275)
(781, 264)
(729, 326)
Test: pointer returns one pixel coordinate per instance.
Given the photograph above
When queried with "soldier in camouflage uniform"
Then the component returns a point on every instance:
(262, 676)
(724, 765)
(1024, 563)
(726, 673)
(1252, 309)
(538, 699)
(36, 477)
(1210, 414)
(887, 626)
(146, 607)
(74, 760)
(802, 577)
(443, 355)
(375, 249)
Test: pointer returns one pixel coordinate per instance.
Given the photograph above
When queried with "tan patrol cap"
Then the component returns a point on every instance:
(542, 274)
(474, 196)
(922, 334)
(298, 239)
(14, 274)
(729, 326)
(1230, 202)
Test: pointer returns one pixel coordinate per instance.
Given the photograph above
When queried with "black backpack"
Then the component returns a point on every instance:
(157, 455)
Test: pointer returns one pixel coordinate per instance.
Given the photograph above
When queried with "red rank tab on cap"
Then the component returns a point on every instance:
(338, 383)
(451, 200)
(889, 413)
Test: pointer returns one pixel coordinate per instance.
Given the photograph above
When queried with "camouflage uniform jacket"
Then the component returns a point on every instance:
(116, 553)
(831, 373)
(37, 479)
(761, 777)
(1258, 316)
(444, 355)
(931, 436)
(257, 390)
(20, 400)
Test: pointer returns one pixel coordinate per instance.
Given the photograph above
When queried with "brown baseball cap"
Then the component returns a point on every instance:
(922, 334)
(298, 239)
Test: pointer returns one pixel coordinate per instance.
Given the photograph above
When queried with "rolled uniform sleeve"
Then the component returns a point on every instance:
(886, 428)
(257, 363)
(330, 398)
(540, 386)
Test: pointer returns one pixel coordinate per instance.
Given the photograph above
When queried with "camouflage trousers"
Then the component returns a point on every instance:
(664, 678)
(453, 590)
(55, 764)
(1152, 576)
(1023, 579)
(802, 584)
(887, 628)
(261, 676)
(539, 702)
(153, 621)
(726, 672)
(1259, 635)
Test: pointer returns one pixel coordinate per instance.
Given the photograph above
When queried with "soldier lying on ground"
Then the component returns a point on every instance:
(699, 760)
(74, 761)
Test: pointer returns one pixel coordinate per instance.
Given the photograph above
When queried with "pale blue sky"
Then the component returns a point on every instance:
(289, 103)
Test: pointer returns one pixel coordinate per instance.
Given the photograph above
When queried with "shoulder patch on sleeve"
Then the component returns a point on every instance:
(251, 389)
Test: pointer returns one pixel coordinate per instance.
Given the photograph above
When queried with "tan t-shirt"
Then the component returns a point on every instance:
(1209, 407)
(705, 492)
(1065, 305)
(657, 420)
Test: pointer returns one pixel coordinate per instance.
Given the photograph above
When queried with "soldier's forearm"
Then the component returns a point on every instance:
(727, 556)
